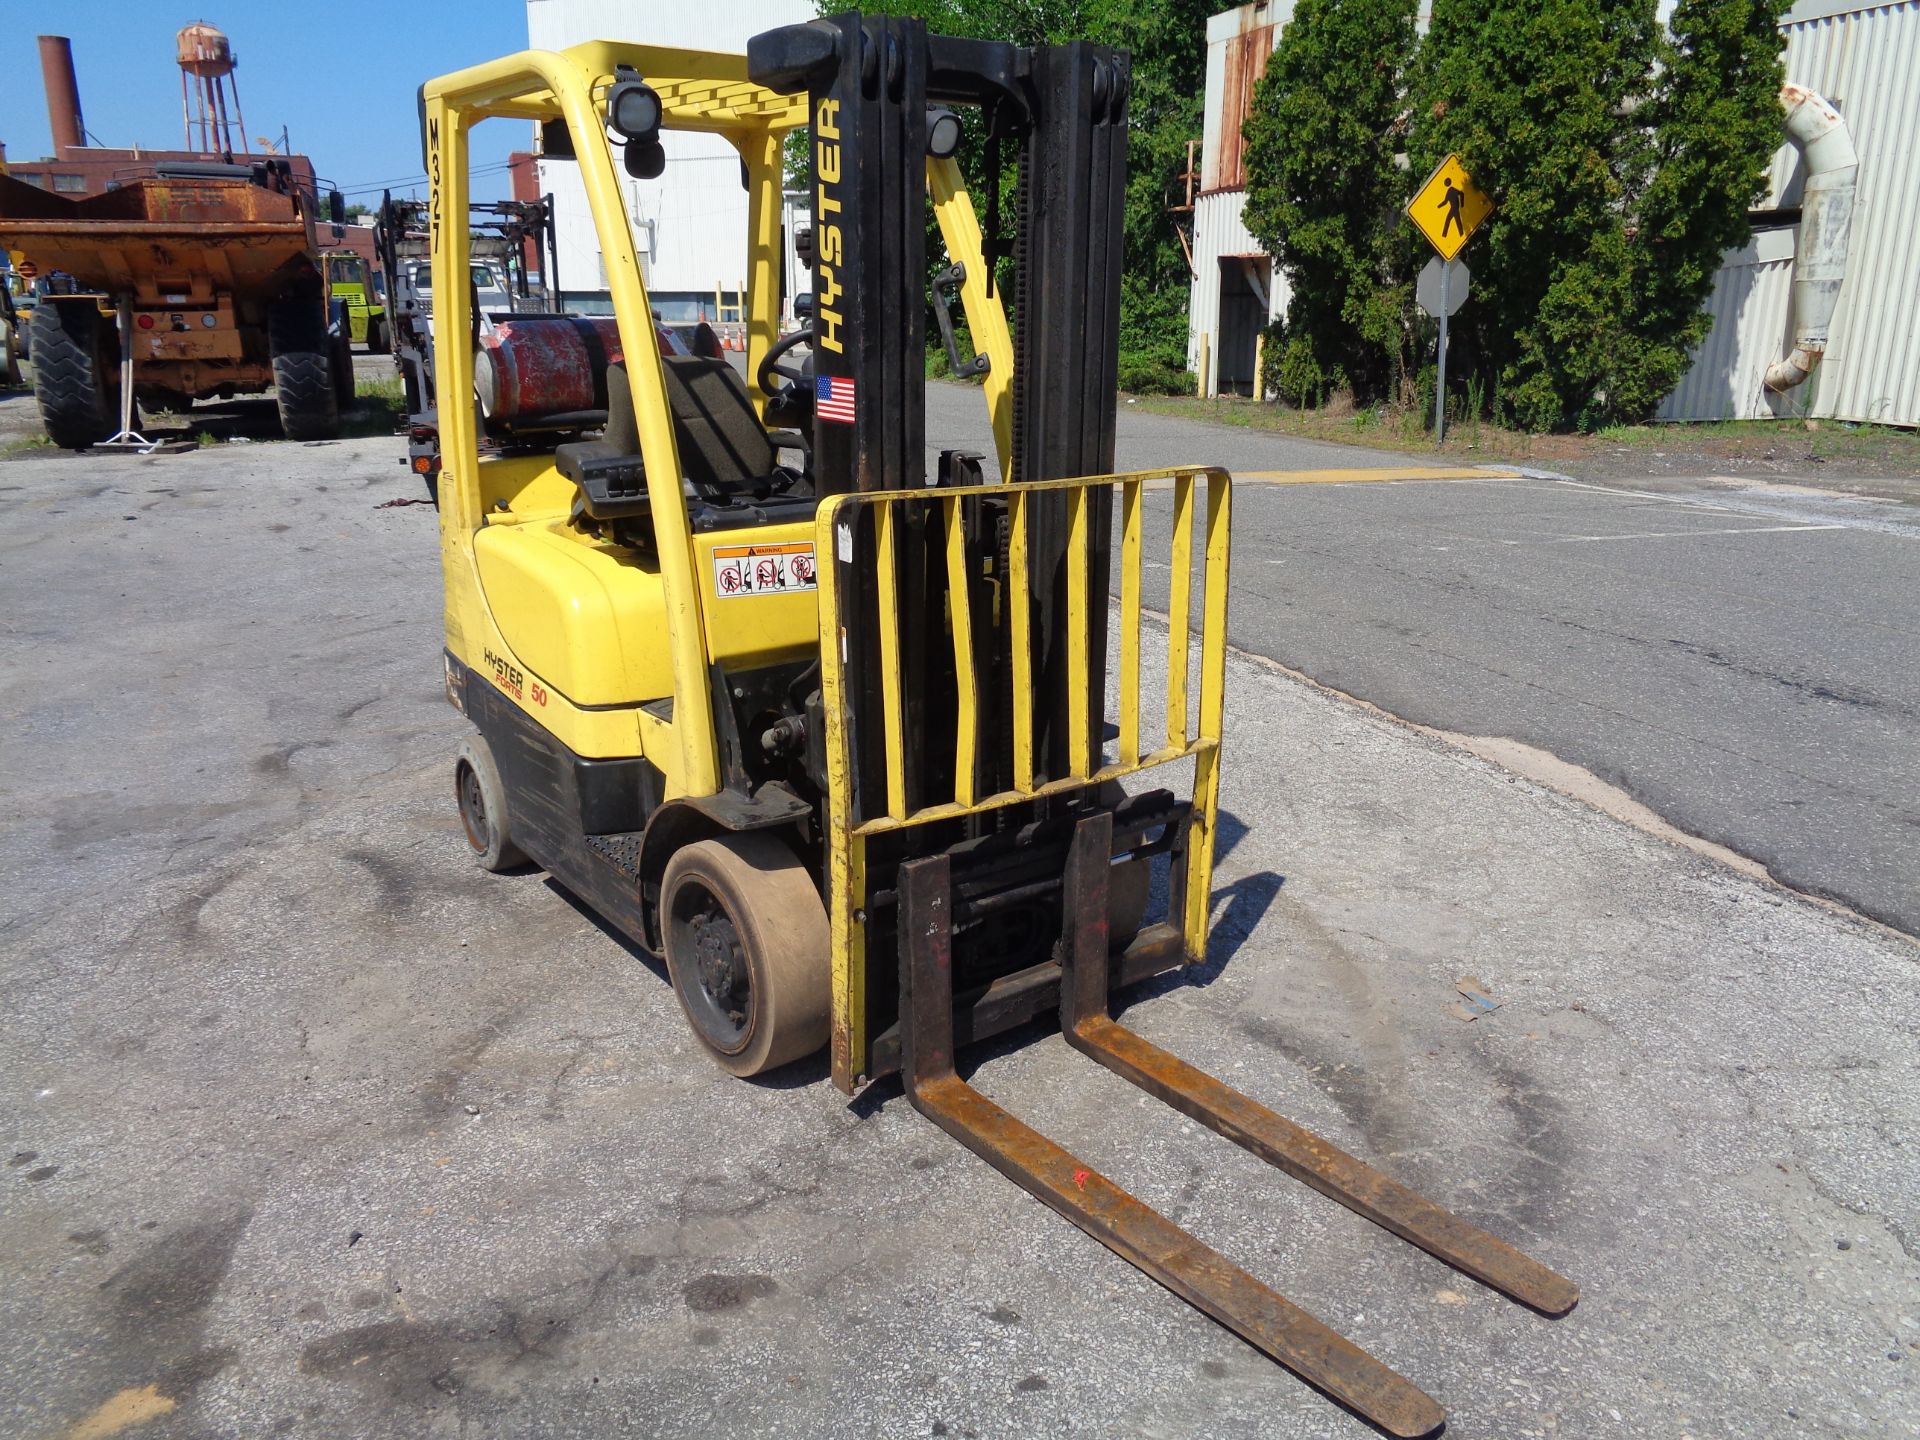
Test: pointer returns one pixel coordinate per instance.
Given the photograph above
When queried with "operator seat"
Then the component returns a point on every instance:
(727, 455)
(723, 447)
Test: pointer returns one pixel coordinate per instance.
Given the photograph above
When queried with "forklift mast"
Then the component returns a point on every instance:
(1059, 112)
(1062, 110)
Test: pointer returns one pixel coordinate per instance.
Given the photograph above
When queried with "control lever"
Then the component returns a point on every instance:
(945, 286)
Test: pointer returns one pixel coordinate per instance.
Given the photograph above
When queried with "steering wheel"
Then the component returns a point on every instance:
(770, 366)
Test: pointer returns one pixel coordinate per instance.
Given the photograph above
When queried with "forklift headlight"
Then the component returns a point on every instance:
(634, 111)
(943, 133)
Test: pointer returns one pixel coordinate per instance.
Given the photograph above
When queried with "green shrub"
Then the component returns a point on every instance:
(1323, 193)
(1158, 370)
(1621, 158)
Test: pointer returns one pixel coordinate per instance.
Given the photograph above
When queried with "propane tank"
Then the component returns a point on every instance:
(535, 366)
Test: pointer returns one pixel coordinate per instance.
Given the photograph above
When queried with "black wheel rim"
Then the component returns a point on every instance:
(473, 807)
(713, 972)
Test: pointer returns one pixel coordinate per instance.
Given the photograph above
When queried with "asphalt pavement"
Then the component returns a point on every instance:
(1742, 658)
(314, 1129)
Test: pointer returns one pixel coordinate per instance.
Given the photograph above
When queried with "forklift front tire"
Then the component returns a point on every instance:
(483, 807)
(748, 950)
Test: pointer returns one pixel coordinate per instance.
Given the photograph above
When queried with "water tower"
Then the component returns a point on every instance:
(207, 89)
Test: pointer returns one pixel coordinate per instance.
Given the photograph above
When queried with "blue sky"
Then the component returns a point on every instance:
(340, 75)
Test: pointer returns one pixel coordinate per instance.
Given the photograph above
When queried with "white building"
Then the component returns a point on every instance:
(690, 225)
(1863, 58)
(1237, 288)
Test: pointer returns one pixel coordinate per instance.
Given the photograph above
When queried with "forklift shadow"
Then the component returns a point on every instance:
(1235, 911)
(606, 928)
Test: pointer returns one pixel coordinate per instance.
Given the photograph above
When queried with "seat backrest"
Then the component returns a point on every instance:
(722, 443)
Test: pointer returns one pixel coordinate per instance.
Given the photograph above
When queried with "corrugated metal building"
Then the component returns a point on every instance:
(1864, 58)
(690, 225)
(1237, 288)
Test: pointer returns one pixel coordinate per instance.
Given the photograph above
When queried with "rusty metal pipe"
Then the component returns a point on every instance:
(63, 93)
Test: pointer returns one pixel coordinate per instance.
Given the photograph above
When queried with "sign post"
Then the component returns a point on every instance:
(1441, 290)
(1447, 210)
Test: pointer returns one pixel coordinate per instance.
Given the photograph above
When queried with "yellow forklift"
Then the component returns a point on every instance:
(857, 748)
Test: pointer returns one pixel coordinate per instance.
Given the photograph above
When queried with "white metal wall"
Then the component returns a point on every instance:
(1866, 60)
(1751, 297)
(690, 225)
(1217, 226)
(1218, 230)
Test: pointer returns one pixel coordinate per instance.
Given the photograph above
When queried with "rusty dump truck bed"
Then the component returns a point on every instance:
(151, 235)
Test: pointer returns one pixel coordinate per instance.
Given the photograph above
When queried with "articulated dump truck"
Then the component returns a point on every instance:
(204, 276)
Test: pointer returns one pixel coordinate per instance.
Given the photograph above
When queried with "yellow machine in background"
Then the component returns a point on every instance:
(830, 734)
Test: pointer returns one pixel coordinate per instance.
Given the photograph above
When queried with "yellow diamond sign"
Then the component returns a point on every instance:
(1449, 207)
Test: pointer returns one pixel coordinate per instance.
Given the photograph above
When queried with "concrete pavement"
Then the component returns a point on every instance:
(314, 1129)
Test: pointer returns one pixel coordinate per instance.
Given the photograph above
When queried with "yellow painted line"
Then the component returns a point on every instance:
(129, 1408)
(1356, 475)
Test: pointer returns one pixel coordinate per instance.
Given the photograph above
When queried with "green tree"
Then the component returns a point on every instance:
(1537, 97)
(1620, 162)
(1324, 193)
(1715, 120)
(1166, 39)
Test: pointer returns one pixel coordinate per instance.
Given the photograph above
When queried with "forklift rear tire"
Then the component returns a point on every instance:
(483, 807)
(749, 950)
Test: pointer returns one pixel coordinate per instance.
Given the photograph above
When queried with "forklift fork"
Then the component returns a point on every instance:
(1136, 1232)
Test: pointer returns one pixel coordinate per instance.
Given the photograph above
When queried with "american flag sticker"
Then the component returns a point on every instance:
(833, 398)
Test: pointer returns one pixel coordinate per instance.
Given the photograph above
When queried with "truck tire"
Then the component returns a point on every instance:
(378, 341)
(10, 340)
(74, 373)
(303, 383)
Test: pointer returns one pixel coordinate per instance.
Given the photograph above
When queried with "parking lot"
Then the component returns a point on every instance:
(315, 1129)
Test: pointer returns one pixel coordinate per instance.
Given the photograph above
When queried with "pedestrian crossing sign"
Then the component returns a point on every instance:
(1449, 207)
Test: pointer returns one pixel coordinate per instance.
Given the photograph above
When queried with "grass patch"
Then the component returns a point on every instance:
(1872, 449)
(380, 405)
(24, 445)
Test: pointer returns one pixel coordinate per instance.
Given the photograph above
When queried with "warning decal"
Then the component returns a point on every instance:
(763, 569)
